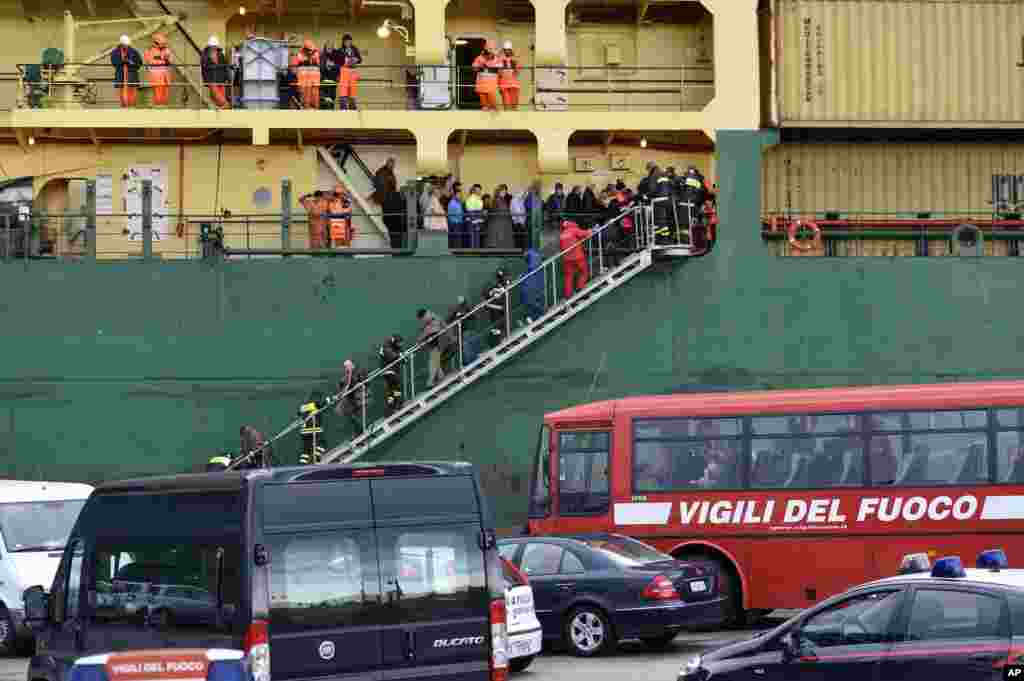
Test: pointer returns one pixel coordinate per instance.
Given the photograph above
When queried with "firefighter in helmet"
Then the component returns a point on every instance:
(495, 304)
(219, 463)
(389, 352)
(313, 445)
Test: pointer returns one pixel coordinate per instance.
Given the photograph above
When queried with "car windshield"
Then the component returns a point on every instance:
(38, 525)
(627, 551)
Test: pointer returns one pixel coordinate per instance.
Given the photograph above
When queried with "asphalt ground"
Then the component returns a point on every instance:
(631, 661)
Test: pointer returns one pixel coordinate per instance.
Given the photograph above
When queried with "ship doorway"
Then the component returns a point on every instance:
(466, 50)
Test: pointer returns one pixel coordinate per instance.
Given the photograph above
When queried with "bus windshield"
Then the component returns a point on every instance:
(540, 496)
(624, 550)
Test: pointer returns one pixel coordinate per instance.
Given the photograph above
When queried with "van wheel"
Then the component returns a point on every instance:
(518, 664)
(588, 631)
(8, 644)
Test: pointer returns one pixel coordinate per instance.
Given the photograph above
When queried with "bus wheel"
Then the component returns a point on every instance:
(729, 585)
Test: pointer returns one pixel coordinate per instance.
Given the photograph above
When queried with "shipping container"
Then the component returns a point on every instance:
(865, 178)
(962, 181)
(920, 63)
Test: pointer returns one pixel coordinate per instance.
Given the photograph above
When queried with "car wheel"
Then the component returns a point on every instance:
(8, 644)
(588, 632)
(659, 642)
(518, 664)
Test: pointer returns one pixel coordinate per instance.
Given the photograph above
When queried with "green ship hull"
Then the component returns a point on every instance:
(117, 370)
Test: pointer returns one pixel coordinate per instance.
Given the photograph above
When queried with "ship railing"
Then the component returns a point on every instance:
(904, 232)
(380, 87)
(463, 342)
(78, 235)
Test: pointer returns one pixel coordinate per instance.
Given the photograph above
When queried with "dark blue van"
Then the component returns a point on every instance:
(386, 571)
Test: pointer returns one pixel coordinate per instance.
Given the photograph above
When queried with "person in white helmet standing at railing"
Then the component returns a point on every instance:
(508, 77)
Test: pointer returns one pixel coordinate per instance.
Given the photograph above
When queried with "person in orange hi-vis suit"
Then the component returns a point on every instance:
(307, 66)
(315, 207)
(339, 210)
(575, 272)
(126, 61)
(486, 67)
(158, 68)
(508, 77)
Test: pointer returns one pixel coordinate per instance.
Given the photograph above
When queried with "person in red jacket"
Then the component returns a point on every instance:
(575, 272)
(486, 67)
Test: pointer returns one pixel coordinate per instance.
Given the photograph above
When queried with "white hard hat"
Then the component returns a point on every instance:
(349, 365)
(507, 45)
(125, 40)
(213, 42)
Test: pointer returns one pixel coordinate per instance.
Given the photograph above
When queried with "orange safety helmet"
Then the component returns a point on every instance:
(308, 45)
(338, 189)
(490, 46)
(160, 40)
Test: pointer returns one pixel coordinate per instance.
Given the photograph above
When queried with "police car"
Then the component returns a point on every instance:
(929, 623)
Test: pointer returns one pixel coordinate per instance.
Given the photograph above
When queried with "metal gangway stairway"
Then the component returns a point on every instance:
(612, 263)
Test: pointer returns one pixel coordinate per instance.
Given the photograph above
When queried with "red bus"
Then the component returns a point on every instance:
(797, 494)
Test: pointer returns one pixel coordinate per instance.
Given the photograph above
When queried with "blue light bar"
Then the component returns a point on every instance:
(993, 559)
(949, 567)
(914, 563)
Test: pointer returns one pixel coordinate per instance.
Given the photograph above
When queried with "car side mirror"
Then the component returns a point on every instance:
(37, 607)
(790, 647)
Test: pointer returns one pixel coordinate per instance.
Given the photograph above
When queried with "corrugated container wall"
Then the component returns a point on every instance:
(868, 178)
(917, 62)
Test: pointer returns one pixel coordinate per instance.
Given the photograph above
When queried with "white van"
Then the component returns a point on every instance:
(35, 521)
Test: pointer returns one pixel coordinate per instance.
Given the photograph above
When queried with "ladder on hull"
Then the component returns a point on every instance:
(605, 246)
(424, 403)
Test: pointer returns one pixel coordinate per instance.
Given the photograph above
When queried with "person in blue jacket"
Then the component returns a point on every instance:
(456, 219)
(531, 290)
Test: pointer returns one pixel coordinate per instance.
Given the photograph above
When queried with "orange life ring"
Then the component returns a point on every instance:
(806, 244)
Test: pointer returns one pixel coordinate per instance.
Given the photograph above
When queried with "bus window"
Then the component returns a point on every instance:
(583, 473)
(929, 459)
(802, 462)
(540, 497)
(677, 454)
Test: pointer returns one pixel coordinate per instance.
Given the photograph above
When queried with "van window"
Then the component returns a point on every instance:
(322, 580)
(170, 517)
(131, 580)
(419, 498)
(433, 573)
(310, 503)
(38, 525)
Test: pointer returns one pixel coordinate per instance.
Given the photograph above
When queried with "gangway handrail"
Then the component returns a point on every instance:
(643, 230)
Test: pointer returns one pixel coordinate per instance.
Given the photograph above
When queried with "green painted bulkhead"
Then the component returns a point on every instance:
(112, 370)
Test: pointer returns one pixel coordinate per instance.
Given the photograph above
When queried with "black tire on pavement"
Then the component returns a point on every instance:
(660, 642)
(518, 664)
(8, 640)
(588, 631)
(728, 585)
